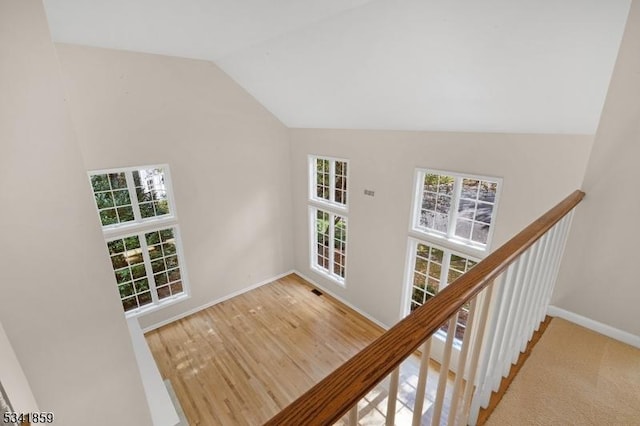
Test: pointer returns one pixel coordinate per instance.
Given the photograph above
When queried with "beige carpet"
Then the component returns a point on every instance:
(574, 377)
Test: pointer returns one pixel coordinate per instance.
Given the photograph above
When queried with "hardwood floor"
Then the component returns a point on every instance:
(241, 361)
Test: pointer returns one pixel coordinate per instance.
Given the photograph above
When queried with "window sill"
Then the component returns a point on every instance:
(320, 203)
(450, 243)
(145, 225)
(153, 308)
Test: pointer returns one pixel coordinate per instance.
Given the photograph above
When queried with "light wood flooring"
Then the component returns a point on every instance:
(241, 361)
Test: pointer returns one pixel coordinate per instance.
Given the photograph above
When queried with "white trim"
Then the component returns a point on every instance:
(163, 412)
(122, 228)
(341, 300)
(598, 327)
(470, 247)
(313, 247)
(330, 203)
(216, 301)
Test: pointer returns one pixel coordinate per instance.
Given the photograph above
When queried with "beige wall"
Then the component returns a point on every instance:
(597, 279)
(13, 380)
(229, 159)
(58, 306)
(538, 171)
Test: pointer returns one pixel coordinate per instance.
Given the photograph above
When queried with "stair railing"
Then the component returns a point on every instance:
(507, 295)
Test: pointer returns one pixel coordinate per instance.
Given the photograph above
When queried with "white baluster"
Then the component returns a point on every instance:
(422, 383)
(462, 360)
(353, 416)
(444, 371)
(393, 397)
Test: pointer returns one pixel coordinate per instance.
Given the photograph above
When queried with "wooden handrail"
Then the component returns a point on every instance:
(326, 402)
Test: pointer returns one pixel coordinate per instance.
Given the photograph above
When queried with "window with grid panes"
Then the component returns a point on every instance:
(142, 235)
(328, 220)
(456, 207)
(452, 223)
(433, 268)
(329, 181)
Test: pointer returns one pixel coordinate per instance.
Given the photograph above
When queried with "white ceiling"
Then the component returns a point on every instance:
(455, 65)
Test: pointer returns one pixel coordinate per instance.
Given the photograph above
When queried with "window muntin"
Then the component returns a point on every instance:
(147, 262)
(329, 181)
(340, 182)
(112, 198)
(433, 268)
(456, 207)
(151, 192)
(163, 255)
(128, 264)
(132, 195)
(328, 194)
(475, 210)
(329, 251)
(146, 266)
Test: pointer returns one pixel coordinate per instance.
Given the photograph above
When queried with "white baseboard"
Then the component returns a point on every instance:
(214, 302)
(607, 330)
(341, 300)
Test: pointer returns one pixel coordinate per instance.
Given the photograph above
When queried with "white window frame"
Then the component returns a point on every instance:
(313, 247)
(141, 226)
(449, 239)
(333, 208)
(138, 219)
(443, 279)
(331, 203)
(448, 242)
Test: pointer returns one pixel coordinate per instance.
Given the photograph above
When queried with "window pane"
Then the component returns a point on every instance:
(108, 217)
(117, 180)
(463, 228)
(322, 239)
(480, 233)
(488, 191)
(125, 290)
(142, 285)
(176, 288)
(467, 209)
(104, 200)
(340, 245)
(151, 192)
(129, 304)
(161, 246)
(322, 172)
(445, 184)
(122, 198)
(436, 255)
(426, 274)
(116, 246)
(145, 298)
(484, 213)
(100, 183)
(458, 263)
(470, 188)
(341, 182)
(437, 192)
(111, 191)
(174, 275)
(164, 292)
(125, 214)
(118, 261)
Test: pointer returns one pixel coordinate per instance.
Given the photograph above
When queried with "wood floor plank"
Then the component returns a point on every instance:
(243, 360)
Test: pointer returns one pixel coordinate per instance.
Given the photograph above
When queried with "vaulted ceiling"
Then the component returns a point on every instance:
(452, 65)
